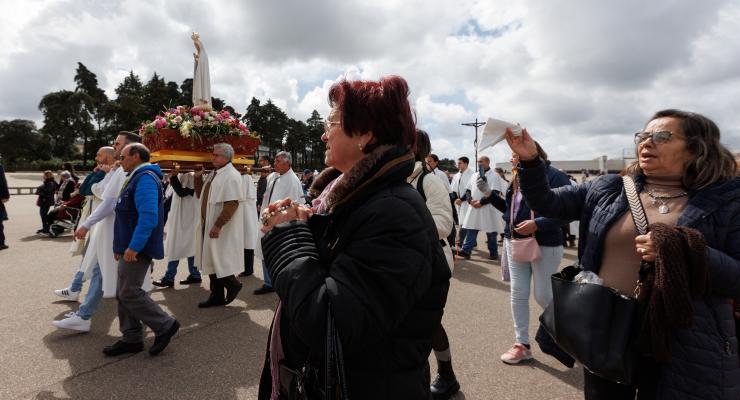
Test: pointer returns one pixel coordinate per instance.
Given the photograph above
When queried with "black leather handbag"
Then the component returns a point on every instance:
(304, 384)
(594, 324)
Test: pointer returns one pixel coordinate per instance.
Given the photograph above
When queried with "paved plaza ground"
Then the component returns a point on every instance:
(218, 353)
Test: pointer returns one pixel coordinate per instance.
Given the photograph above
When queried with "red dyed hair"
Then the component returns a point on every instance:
(381, 107)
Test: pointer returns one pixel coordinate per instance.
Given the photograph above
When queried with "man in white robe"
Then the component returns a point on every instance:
(99, 257)
(281, 184)
(92, 188)
(251, 223)
(181, 224)
(483, 217)
(459, 186)
(219, 247)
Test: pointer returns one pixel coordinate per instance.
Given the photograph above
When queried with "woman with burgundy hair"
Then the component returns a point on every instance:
(372, 257)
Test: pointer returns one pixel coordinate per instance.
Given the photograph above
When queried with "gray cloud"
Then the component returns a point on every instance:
(581, 75)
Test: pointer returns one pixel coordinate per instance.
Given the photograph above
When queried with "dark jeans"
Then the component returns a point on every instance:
(597, 388)
(45, 223)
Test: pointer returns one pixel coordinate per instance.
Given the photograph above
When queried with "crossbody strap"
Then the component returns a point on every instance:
(636, 208)
(641, 223)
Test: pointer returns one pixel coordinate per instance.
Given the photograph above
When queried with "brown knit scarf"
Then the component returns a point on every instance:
(680, 273)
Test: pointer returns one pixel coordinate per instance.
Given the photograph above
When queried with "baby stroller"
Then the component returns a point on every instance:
(66, 216)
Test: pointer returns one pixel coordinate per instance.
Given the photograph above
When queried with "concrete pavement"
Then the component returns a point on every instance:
(218, 353)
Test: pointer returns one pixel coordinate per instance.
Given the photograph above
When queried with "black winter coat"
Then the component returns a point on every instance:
(704, 358)
(377, 258)
(46, 193)
(549, 230)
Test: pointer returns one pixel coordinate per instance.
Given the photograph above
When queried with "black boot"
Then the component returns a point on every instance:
(233, 286)
(445, 385)
(216, 298)
(248, 262)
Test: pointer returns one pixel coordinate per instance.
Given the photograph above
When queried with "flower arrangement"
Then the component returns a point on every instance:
(195, 123)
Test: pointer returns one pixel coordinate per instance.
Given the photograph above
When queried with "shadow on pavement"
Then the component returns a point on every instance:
(44, 238)
(217, 354)
(572, 376)
(470, 272)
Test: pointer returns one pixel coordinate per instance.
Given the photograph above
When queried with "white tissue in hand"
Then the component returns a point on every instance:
(494, 131)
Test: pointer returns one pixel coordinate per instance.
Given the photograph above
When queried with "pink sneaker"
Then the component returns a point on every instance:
(516, 354)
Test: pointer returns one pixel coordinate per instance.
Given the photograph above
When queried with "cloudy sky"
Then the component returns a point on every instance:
(582, 76)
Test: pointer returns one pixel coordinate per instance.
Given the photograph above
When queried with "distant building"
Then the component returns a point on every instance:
(600, 164)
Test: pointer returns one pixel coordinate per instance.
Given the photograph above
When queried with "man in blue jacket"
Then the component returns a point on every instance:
(137, 239)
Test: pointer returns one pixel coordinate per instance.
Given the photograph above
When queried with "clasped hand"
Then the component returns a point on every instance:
(646, 247)
(283, 211)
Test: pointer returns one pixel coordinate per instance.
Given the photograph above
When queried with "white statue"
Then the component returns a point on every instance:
(201, 76)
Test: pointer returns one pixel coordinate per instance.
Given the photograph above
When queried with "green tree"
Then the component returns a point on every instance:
(20, 141)
(156, 96)
(65, 119)
(316, 146)
(186, 90)
(127, 111)
(296, 141)
(173, 93)
(217, 104)
(94, 100)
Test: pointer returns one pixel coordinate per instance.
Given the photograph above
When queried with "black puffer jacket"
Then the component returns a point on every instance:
(704, 358)
(377, 258)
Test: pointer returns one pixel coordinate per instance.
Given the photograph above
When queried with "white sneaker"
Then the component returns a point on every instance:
(73, 322)
(67, 294)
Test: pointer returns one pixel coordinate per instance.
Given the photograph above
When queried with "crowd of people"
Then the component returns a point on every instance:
(361, 254)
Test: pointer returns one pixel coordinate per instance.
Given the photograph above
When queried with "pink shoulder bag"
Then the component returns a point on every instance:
(524, 249)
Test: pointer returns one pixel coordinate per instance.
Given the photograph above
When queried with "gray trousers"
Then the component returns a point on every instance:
(134, 304)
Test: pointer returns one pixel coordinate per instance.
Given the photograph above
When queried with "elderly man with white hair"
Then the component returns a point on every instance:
(220, 234)
(281, 184)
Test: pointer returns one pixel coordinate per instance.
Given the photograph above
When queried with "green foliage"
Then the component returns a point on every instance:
(186, 90)
(86, 114)
(20, 141)
(156, 97)
(65, 119)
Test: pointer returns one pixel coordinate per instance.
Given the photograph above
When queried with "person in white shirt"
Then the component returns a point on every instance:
(483, 216)
(459, 186)
(181, 225)
(281, 184)
(251, 223)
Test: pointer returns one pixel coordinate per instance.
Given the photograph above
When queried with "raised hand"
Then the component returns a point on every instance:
(523, 145)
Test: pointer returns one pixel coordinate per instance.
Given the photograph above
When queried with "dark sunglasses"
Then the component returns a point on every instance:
(656, 137)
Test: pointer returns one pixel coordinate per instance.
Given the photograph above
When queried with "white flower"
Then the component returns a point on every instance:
(196, 118)
(185, 129)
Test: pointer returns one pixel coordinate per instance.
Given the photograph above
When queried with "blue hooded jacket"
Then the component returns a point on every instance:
(139, 222)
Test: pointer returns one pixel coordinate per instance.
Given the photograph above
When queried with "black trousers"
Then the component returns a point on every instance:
(44, 213)
(2, 233)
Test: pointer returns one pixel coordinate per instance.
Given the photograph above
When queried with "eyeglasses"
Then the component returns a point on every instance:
(656, 137)
(328, 124)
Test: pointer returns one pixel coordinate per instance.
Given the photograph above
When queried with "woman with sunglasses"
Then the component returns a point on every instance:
(687, 185)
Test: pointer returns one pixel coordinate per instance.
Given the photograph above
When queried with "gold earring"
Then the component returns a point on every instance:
(359, 145)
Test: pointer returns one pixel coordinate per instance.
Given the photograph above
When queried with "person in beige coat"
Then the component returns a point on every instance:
(437, 199)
